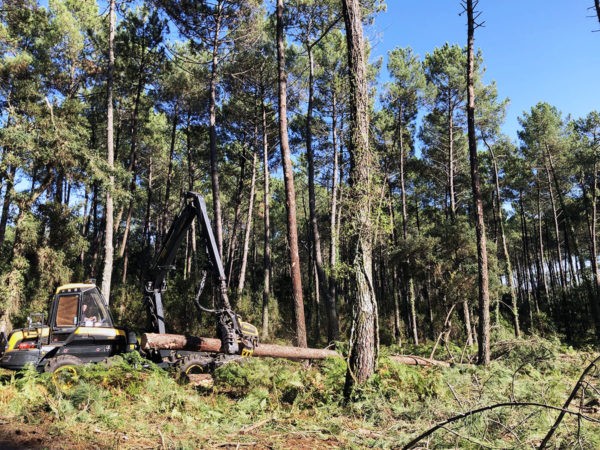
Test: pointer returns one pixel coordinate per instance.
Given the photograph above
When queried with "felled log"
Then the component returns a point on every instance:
(154, 341)
(201, 344)
(418, 361)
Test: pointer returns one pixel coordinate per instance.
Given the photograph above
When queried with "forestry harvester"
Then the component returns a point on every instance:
(80, 328)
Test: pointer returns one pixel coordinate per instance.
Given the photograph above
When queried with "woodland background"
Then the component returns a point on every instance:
(195, 97)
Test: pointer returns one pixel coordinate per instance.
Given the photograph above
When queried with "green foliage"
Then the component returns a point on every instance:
(280, 398)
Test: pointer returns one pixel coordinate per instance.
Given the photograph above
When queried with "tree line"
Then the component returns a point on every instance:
(337, 213)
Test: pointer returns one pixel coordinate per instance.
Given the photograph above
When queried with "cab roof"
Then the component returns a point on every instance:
(75, 286)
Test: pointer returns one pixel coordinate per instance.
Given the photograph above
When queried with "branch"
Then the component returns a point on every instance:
(490, 407)
(570, 399)
(329, 28)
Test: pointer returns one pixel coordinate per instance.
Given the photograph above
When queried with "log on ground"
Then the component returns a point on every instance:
(418, 361)
(201, 344)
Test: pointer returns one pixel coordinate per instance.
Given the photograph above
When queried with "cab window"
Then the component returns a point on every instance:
(93, 310)
(66, 310)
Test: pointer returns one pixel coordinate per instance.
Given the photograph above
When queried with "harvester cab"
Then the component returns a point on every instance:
(79, 330)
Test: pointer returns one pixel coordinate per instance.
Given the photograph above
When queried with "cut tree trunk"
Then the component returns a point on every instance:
(155, 341)
(180, 342)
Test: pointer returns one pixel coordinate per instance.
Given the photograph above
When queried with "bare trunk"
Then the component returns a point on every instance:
(314, 228)
(592, 221)
(212, 112)
(6, 202)
(540, 262)
(147, 226)
(364, 338)
(232, 247)
(242, 279)
(506, 254)
(267, 225)
(467, 320)
(413, 311)
(451, 161)
(333, 330)
(108, 233)
(288, 175)
(123, 246)
(482, 261)
(170, 171)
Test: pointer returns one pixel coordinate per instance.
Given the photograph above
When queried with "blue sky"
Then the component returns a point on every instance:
(535, 50)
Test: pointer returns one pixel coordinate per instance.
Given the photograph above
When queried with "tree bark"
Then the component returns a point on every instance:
(232, 246)
(314, 228)
(451, 160)
(364, 338)
(482, 261)
(170, 170)
(506, 254)
(267, 226)
(108, 233)
(592, 219)
(8, 193)
(290, 193)
(242, 279)
(333, 329)
(212, 128)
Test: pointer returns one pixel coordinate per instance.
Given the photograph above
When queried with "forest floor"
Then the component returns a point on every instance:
(276, 404)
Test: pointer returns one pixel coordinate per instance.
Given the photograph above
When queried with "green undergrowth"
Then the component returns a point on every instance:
(269, 403)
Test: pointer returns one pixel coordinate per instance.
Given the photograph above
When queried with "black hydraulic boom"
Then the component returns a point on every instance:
(194, 208)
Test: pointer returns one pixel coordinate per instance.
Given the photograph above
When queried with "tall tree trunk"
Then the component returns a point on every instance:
(242, 279)
(592, 218)
(333, 330)
(290, 192)
(506, 254)
(565, 310)
(467, 320)
(482, 262)
(540, 262)
(170, 171)
(364, 338)
(8, 193)
(147, 225)
(451, 161)
(212, 112)
(314, 224)
(232, 246)
(108, 233)
(267, 225)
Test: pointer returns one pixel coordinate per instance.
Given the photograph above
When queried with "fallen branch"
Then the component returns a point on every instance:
(490, 407)
(568, 402)
(254, 426)
(418, 361)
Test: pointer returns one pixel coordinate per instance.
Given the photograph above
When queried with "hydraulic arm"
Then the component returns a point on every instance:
(230, 329)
